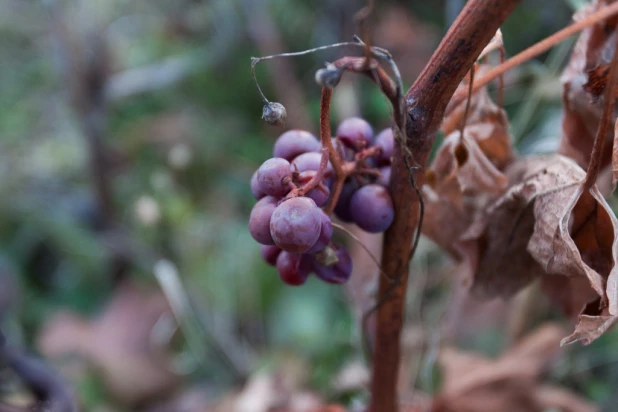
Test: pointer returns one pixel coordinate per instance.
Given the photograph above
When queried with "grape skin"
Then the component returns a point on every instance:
(342, 209)
(271, 176)
(326, 233)
(293, 268)
(255, 187)
(337, 273)
(386, 142)
(295, 224)
(259, 220)
(355, 133)
(270, 253)
(320, 193)
(311, 161)
(371, 208)
(385, 176)
(295, 142)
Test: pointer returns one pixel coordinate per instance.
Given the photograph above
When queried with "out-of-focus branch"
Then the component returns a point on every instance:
(48, 388)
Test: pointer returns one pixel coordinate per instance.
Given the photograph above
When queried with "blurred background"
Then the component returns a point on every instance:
(129, 131)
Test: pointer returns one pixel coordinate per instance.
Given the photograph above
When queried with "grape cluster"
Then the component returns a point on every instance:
(295, 233)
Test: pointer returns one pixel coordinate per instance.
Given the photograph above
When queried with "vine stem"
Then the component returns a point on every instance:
(537, 49)
(426, 102)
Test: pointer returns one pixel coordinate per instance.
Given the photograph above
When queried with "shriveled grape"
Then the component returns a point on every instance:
(338, 272)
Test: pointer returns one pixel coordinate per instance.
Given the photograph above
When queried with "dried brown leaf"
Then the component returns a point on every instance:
(584, 80)
(592, 323)
(118, 344)
(615, 156)
(473, 383)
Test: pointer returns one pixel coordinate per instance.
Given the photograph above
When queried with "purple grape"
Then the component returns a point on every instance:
(259, 220)
(385, 176)
(371, 208)
(270, 253)
(293, 268)
(342, 208)
(255, 187)
(294, 142)
(320, 193)
(355, 133)
(295, 224)
(326, 233)
(311, 161)
(338, 272)
(271, 175)
(386, 142)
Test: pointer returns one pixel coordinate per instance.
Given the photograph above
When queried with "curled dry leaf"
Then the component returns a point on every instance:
(473, 383)
(583, 81)
(467, 171)
(548, 224)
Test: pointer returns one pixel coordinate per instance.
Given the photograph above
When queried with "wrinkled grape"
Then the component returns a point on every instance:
(385, 176)
(326, 233)
(259, 220)
(293, 268)
(270, 253)
(371, 208)
(355, 133)
(294, 142)
(386, 142)
(271, 175)
(295, 224)
(342, 209)
(255, 187)
(339, 272)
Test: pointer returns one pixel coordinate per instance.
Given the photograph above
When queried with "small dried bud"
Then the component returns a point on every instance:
(274, 114)
(328, 77)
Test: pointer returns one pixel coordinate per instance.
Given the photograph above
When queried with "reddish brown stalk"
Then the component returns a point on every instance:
(374, 71)
(325, 139)
(604, 123)
(537, 49)
(317, 178)
(426, 100)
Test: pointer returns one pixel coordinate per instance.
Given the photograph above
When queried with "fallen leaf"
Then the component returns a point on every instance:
(473, 383)
(119, 344)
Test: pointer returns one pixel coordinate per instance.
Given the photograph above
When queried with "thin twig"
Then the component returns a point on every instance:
(538, 48)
